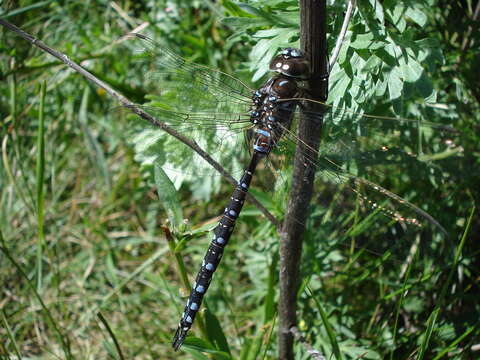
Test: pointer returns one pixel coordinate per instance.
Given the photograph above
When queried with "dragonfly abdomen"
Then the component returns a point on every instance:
(271, 118)
(215, 251)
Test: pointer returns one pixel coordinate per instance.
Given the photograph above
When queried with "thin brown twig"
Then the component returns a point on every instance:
(314, 354)
(341, 36)
(137, 110)
(467, 40)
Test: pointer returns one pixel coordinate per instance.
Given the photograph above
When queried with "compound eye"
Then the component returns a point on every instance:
(291, 62)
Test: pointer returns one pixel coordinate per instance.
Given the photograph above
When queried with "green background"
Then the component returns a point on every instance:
(82, 203)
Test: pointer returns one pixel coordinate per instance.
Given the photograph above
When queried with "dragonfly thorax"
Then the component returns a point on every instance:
(273, 106)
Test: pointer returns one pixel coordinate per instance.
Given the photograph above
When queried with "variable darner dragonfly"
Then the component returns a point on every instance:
(271, 116)
(228, 107)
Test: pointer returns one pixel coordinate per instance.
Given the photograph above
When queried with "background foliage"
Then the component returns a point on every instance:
(80, 226)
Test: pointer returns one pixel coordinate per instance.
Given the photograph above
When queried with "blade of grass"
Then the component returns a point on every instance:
(403, 293)
(270, 309)
(270, 336)
(453, 344)
(215, 331)
(12, 82)
(62, 338)
(441, 298)
(183, 275)
(428, 333)
(97, 156)
(112, 335)
(94, 310)
(10, 335)
(40, 177)
(328, 326)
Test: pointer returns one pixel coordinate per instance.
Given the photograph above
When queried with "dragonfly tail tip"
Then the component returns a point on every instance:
(179, 337)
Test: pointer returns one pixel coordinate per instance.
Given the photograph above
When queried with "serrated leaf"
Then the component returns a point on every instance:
(393, 51)
(425, 87)
(263, 52)
(338, 88)
(342, 55)
(366, 41)
(397, 16)
(371, 64)
(386, 57)
(168, 196)
(416, 15)
(260, 49)
(378, 10)
(395, 85)
(380, 87)
(411, 70)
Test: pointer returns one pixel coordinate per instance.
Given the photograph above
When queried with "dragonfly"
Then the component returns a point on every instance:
(202, 101)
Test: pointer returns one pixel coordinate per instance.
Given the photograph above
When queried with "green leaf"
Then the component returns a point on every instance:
(377, 6)
(396, 16)
(411, 70)
(424, 87)
(264, 51)
(432, 320)
(371, 65)
(328, 327)
(416, 15)
(270, 296)
(168, 196)
(395, 85)
(271, 32)
(339, 86)
(256, 345)
(342, 55)
(215, 331)
(234, 10)
(366, 41)
(380, 87)
(271, 17)
(195, 346)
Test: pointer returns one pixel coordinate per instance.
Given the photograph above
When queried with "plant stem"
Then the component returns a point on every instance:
(313, 40)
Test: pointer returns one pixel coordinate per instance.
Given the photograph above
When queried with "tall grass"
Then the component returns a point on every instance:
(86, 269)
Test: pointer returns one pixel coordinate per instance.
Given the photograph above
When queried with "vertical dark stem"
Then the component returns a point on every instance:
(313, 42)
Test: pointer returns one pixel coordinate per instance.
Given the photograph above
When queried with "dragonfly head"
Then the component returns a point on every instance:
(291, 62)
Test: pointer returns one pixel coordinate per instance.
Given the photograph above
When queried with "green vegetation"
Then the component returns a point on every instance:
(86, 270)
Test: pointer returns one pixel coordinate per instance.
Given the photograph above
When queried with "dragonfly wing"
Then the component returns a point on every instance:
(205, 105)
(361, 152)
(185, 86)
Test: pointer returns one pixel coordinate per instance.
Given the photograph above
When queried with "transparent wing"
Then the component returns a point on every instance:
(357, 155)
(211, 107)
(184, 86)
(206, 105)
